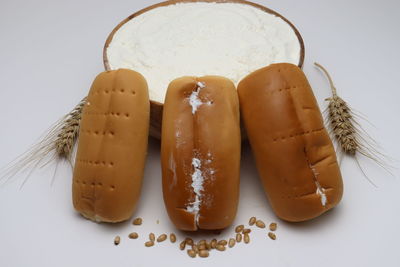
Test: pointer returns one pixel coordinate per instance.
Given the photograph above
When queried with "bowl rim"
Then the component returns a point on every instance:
(172, 2)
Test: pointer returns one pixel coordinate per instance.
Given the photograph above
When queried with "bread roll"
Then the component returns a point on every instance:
(112, 147)
(200, 152)
(294, 154)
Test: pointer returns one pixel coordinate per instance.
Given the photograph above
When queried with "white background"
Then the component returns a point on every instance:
(50, 51)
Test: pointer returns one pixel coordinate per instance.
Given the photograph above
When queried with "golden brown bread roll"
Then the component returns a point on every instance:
(294, 154)
(200, 152)
(112, 147)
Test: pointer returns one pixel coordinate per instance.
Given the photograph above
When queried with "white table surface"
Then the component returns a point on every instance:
(50, 52)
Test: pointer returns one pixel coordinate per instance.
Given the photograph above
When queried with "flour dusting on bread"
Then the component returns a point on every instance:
(197, 185)
(194, 99)
(321, 192)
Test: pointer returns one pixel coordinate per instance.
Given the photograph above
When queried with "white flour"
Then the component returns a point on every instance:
(321, 192)
(194, 99)
(197, 185)
(196, 39)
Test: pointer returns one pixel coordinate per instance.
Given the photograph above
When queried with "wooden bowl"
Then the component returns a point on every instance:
(156, 108)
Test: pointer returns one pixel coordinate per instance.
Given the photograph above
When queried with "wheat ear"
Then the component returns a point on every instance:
(347, 131)
(69, 131)
(56, 145)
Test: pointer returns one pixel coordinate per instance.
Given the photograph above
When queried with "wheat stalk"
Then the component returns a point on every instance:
(350, 136)
(56, 145)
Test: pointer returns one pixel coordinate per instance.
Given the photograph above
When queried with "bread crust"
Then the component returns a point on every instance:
(112, 147)
(211, 134)
(294, 155)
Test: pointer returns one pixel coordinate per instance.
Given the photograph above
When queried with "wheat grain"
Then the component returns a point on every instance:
(117, 240)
